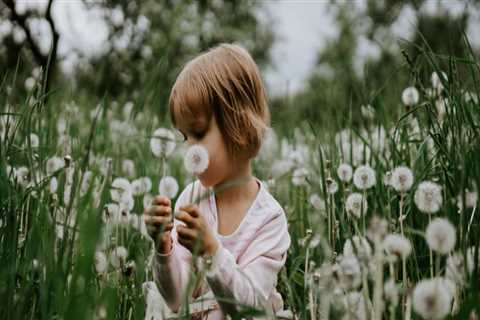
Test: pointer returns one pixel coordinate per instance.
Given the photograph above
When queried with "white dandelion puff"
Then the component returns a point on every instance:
(345, 172)
(364, 177)
(317, 202)
(53, 186)
(356, 205)
(436, 82)
(441, 235)
(147, 200)
(350, 273)
(168, 187)
(54, 163)
(128, 168)
(196, 159)
(428, 197)
(410, 96)
(332, 186)
(471, 199)
(367, 111)
(101, 263)
(121, 188)
(34, 141)
(299, 177)
(397, 245)
(359, 247)
(391, 291)
(402, 179)
(162, 142)
(432, 298)
(118, 256)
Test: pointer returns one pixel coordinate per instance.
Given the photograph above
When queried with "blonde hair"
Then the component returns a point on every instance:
(223, 82)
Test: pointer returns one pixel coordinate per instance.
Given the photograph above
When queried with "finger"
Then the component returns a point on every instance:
(158, 221)
(159, 210)
(187, 218)
(186, 233)
(192, 209)
(161, 200)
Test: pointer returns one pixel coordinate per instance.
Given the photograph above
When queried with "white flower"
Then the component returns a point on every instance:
(317, 202)
(436, 82)
(162, 142)
(455, 268)
(332, 186)
(137, 187)
(101, 263)
(367, 111)
(168, 187)
(344, 172)
(391, 291)
(118, 256)
(34, 141)
(471, 199)
(358, 246)
(128, 168)
(121, 189)
(356, 205)
(397, 245)
(364, 177)
(402, 179)
(53, 186)
(410, 96)
(387, 178)
(428, 197)
(432, 298)
(54, 163)
(281, 167)
(196, 159)
(350, 274)
(441, 235)
(147, 200)
(299, 177)
(355, 306)
(377, 229)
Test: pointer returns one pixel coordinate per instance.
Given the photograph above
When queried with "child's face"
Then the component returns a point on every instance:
(220, 166)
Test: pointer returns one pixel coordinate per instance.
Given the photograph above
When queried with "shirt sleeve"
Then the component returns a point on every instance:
(171, 271)
(251, 283)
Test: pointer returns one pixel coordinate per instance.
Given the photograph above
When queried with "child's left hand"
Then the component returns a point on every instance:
(196, 229)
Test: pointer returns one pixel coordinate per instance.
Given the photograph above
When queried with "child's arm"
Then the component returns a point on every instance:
(251, 282)
(171, 270)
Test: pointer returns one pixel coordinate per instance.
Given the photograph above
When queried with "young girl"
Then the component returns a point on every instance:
(219, 101)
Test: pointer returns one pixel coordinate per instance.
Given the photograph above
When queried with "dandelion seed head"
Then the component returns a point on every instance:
(349, 272)
(101, 263)
(428, 197)
(377, 229)
(391, 291)
(120, 189)
(356, 205)
(299, 177)
(168, 187)
(118, 256)
(402, 179)
(441, 235)
(196, 159)
(162, 142)
(432, 298)
(317, 202)
(397, 245)
(332, 186)
(345, 172)
(359, 247)
(364, 177)
(436, 82)
(410, 96)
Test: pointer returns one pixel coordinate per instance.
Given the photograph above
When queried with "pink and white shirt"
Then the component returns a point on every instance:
(244, 268)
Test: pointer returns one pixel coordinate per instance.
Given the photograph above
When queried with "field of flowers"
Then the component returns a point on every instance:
(383, 217)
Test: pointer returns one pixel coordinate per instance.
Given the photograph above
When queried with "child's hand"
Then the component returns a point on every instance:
(196, 229)
(158, 219)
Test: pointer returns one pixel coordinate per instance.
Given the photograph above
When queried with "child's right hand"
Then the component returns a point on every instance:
(159, 222)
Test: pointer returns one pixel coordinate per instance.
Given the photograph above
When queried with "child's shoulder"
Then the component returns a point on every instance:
(267, 202)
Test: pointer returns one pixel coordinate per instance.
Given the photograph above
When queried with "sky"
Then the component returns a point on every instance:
(302, 28)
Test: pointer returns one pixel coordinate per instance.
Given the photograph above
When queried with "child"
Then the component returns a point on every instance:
(219, 101)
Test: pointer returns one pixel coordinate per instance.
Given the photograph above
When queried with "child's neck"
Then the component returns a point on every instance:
(242, 192)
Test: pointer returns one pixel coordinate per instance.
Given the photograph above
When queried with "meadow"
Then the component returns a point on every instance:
(382, 212)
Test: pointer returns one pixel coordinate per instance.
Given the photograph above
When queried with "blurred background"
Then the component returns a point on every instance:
(323, 55)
